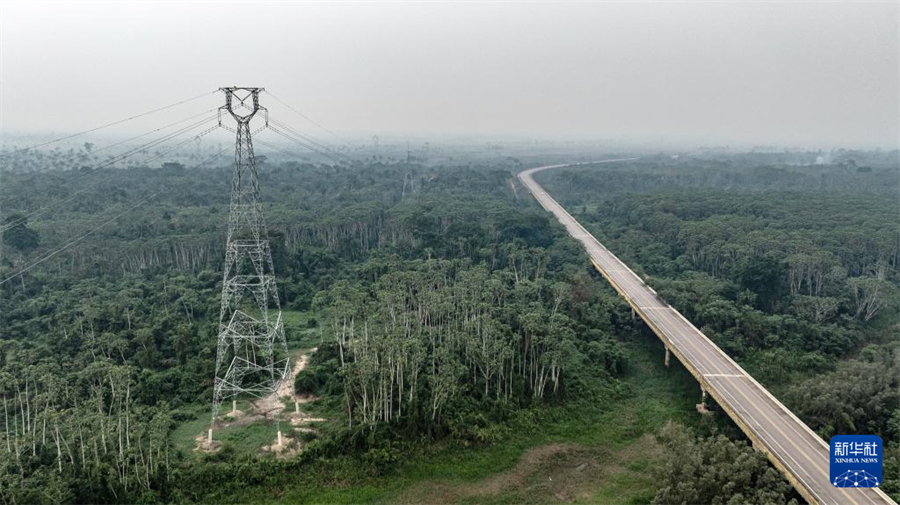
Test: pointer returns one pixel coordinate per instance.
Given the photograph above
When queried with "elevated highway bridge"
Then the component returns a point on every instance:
(791, 446)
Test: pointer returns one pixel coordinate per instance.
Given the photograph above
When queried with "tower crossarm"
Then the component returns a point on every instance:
(251, 352)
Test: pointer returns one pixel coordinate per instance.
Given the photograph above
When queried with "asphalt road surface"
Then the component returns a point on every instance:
(800, 454)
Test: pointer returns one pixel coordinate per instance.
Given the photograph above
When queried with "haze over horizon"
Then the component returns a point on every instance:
(731, 73)
(449, 251)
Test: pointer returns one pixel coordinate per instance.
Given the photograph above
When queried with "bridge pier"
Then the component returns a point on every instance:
(701, 407)
(667, 356)
(632, 313)
(768, 415)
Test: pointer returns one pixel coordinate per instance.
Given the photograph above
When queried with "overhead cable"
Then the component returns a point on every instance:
(112, 123)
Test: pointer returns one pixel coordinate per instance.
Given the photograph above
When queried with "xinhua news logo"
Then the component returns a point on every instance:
(856, 460)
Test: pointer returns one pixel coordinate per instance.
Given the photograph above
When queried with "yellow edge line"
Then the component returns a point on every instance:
(757, 443)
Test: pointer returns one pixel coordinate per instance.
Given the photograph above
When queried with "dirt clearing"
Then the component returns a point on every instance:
(269, 408)
(553, 473)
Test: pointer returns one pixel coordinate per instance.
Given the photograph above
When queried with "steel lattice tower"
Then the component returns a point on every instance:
(252, 354)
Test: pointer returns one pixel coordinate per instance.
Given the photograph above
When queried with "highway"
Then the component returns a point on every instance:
(791, 446)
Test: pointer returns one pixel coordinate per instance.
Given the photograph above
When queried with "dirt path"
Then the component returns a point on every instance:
(271, 406)
(268, 408)
(287, 388)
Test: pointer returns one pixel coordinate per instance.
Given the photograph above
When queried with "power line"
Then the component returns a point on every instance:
(156, 142)
(291, 153)
(130, 152)
(113, 161)
(301, 135)
(104, 148)
(43, 209)
(304, 145)
(275, 148)
(78, 239)
(179, 145)
(72, 242)
(42, 144)
(308, 138)
(312, 147)
(304, 116)
(294, 135)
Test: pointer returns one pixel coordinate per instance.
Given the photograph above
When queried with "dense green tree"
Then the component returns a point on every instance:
(860, 397)
(764, 276)
(446, 301)
(18, 235)
(717, 471)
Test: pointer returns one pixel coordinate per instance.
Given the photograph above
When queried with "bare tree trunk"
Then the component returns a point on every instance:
(58, 449)
(6, 425)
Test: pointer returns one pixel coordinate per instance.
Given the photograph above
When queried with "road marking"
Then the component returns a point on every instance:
(693, 341)
(762, 433)
(741, 410)
(685, 337)
(781, 407)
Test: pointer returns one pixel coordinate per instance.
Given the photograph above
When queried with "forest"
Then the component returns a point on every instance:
(445, 317)
(793, 270)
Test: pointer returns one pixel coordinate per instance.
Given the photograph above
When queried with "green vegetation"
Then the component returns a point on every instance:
(793, 270)
(591, 450)
(17, 234)
(465, 351)
(716, 470)
(112, 346)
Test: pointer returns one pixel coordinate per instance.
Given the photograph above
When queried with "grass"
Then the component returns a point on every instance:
(184, 436)
(613, 442)
(297, 330)
(635, 487)
(251, 437)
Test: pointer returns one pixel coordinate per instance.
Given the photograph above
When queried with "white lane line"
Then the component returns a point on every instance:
(704, 341)
(771, 397)
(724, 375)
(761, 432)
(705, 345)
(774, 419)
(686, 332)
(810, 439)
(682, 348)
(775, 413)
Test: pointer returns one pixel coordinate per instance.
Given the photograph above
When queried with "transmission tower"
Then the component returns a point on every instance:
(252, 354)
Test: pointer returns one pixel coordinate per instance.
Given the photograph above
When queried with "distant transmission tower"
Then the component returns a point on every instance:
(252, 354)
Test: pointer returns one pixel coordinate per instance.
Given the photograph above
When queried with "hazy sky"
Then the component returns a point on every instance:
(785, 73)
